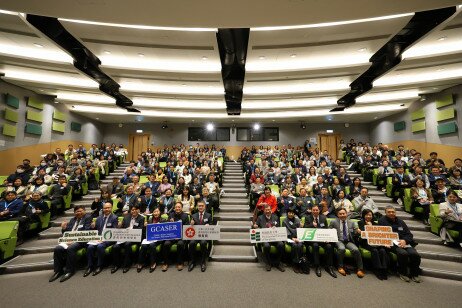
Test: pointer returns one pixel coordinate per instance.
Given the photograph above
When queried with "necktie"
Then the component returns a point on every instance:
(200, 219)
(132, 223)
(104, 222)
(316, 220)
(76, 225)
(345, 234)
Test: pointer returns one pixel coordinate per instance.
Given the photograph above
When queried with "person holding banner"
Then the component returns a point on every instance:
(317, 220)
(379, 253)
(200, 218)
(107, 220)
(346, 231)
(176, 215)
(150, 248)
(292, 223)
(65, 255)
(408, 257)
(132, 221)
(269, 220)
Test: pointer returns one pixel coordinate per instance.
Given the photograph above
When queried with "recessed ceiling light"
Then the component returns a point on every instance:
(97, 118)
(256, 126)
(261, 57)
(293, 55)
(375, 118)
(183, 85)
(204, 58)
(273, 120)
(139, 130)
(362, 49)
(58, 103)
(329, 131)
(38, 45)
(141, 55)
(440, 69)
(107, 52)
(210, 127)
(442, 38)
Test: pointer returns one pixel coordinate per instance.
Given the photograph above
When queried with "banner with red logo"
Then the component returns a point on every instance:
(201, 232)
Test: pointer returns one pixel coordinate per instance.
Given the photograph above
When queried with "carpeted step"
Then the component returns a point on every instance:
(233, 195)
(37, 246)
(53, 232)
(439, 252)
(233, 216)
(239, 180)
(234, 238)
(28, 263)
(234, 226)
(227, 185)
(233, 201)
(426, 237)
(234, 253)
(234, 190)
(441, 269)
(231, 208)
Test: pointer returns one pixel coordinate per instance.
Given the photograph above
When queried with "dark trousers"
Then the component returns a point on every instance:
(117, 254)
(267, 249)
(179, 250)
(328, 249)
(296, 252)
(379, 257)
(63, 257)
(192, 250)
(148, 249)
(55, 204)
(407, 258)
(98, 250)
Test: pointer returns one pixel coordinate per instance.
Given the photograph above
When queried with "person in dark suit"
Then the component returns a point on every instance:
(269, 220)
(57, 192)
(107, 220)
(132, 221)
(201, 218)
(400, 181)
(291, 223)
(176, 215)
(126, 201)
(379, 254)
(317, 220)
(66, 255)
(115, 188)
(150, 248)
(346, 231)
(325, 203)
(147, 202)
(408, 257)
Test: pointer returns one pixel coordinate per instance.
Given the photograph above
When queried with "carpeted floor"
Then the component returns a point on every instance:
(224, 285)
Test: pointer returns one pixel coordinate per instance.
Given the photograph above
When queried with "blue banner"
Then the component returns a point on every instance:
(164, 231)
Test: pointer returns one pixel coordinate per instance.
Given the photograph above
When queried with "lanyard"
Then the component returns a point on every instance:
(7, 205)
(454, 208)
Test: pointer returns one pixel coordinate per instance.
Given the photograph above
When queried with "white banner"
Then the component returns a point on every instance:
(122, 235)
(317, 235)
(79, 236)
(268, 235)
(201, 232)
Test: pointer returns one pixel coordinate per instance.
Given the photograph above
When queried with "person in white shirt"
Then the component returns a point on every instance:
(451, 212)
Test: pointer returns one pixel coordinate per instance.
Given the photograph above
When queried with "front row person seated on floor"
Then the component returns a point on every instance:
(65, 256)
(107, 220)
(201, 218)
(347, 231)
(451, 212)
(318, 220)
(132, 221)
(270, 220)
(408, 257)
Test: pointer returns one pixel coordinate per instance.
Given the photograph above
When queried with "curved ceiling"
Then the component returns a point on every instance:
(292, 74)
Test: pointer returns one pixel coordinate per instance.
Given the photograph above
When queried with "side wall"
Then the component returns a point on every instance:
(448, 146)
(24, 145)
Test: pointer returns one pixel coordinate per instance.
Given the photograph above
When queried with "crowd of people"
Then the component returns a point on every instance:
(181, 184)
(303, 187)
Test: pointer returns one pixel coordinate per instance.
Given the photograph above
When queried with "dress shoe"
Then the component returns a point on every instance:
(318, 271)
(331, 271)
(126, 269)
(416, 279)
(87, 272)
(281, 267)
(153, 267)
(268, 267)
(164, 267)
(404, 278)
(191, 266)
(55, 276)
(341, 270)
(296, 269)
(179, 267)
(114, 269)
(203, 267)
(66, 277)
(360, 273)
(97, 271)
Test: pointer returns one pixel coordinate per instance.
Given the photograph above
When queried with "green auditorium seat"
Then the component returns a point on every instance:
(68, 199)
(274, 189)
(44, 220)
(8, 238)
(436, 222)
(144, 179)
(407, 200)
(375, 176)
(162, 164)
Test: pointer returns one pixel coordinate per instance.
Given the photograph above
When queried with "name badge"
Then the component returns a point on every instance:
(275, 223)
(400, 228)
(206, 220)
(109, 225)
(135, 224)
(80, 226)
(321, 225)
(290, 201)
(290, 222)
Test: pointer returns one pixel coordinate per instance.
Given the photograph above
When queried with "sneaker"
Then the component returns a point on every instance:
(404, 278)
(416, 279)
(399, 202)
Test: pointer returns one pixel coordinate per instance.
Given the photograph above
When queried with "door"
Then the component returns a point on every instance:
(137, 143)
(329, 142)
